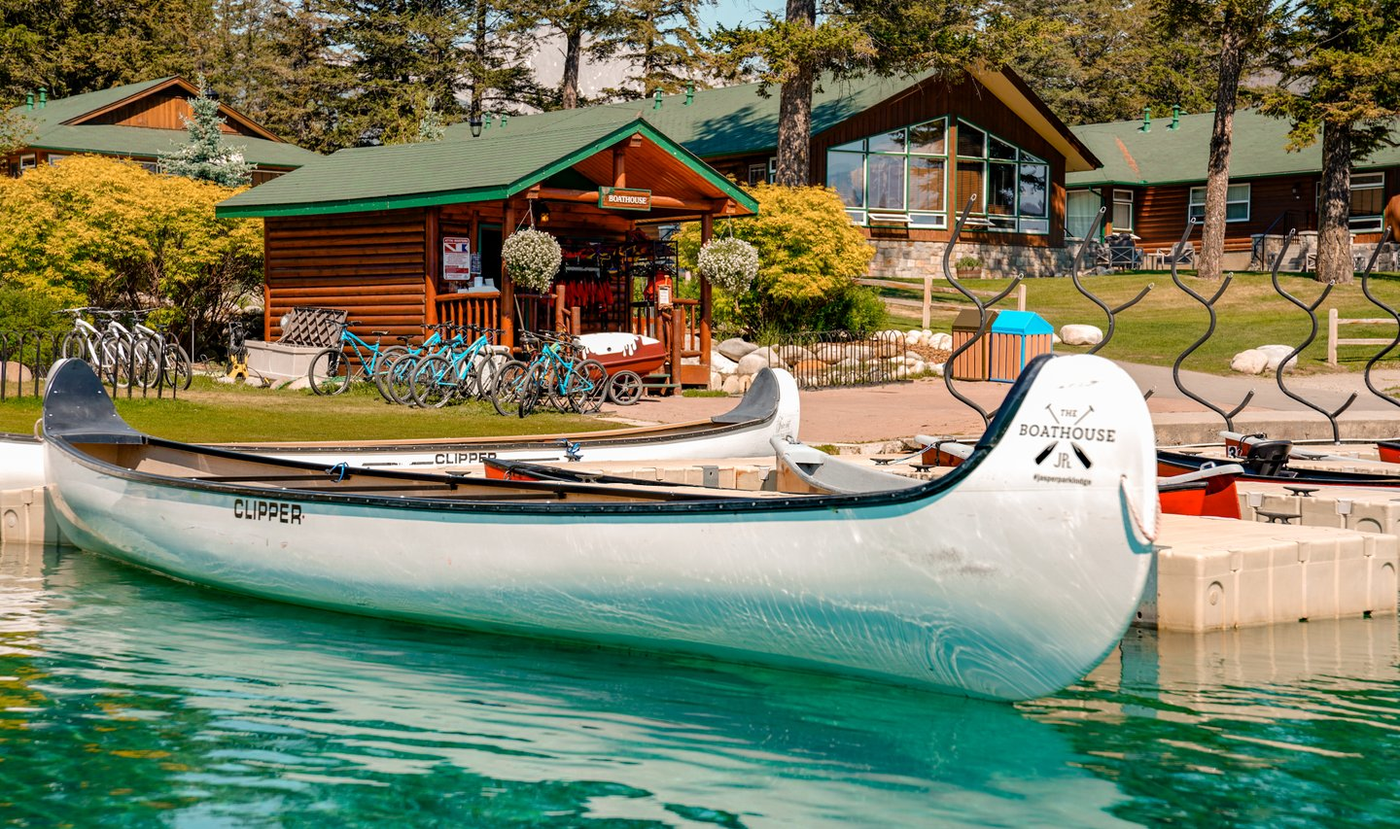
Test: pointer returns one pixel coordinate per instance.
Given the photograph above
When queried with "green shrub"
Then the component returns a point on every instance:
(810, 257)
(22, 310)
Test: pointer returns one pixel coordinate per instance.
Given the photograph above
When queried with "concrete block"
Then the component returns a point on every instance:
(26, 517)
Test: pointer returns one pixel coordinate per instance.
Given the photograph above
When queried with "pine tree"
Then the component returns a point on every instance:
(1337, 63)
(430, 125)
(577, 22)
(660, 39)
(205, 157)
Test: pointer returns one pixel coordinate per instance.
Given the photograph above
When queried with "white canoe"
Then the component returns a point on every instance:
(769, 409)
(1008, 578)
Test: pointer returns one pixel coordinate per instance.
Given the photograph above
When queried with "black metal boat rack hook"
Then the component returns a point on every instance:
(981, 313)
(1312, 335)
(1112, 312)
(1228, 417)
(1366, 289)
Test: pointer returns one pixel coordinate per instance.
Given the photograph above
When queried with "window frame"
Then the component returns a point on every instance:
(1368, 222)
(28, 161)
(1131, 202)
(1023, 225)
(860, 214)
(760, 168)
(1192, 204)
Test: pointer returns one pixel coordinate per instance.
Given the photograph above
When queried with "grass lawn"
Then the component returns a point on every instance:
(211, 412)
(1157, 329)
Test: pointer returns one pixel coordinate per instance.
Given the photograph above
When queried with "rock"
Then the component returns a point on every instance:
(917, 367)
(716, 381)
(1276, 354)
(913, 337)
(809, 368)
(735, 348)
(225, 379)
(731, 384)
(942, 341)
(17, 373)
(1251, 361)
(1081, 335)
(913, 357)
(745, 381)
(827, 352)
(751, 364)
(793, 353)
(935, 368)
(771, 355)
(1055, 338)
(721, 363)
(299, 383)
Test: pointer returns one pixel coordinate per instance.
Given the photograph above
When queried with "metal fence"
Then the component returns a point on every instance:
(26, 357)
(829, 359)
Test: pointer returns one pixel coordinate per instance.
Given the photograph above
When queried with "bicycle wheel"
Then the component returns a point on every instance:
(115, 365)
(532, 389)
(77, 344)
(592, 378)
(510, 382)
(145, 364)
(625, 388)
(433, 382)
(395, 383)
(175, 366)
(386, 358)
(329, 372)
(483, 375)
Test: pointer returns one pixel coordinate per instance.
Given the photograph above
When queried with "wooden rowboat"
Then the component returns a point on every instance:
(1007, 578)
(769, 409)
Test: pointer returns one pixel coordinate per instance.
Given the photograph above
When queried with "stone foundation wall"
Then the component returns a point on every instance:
(902, 258)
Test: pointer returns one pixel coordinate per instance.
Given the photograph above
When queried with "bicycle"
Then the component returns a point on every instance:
(555, 373)
(83, 340)
(172, 360)
(332, 370)
(459, 370)
(395, 381)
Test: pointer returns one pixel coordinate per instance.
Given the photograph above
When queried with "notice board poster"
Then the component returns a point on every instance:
(456, 259)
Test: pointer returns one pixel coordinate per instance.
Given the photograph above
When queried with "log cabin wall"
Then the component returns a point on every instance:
(1162, 211)
(371, 264)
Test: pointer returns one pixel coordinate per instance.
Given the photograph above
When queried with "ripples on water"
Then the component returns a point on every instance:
(129, 699)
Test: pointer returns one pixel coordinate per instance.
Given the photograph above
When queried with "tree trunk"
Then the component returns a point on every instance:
(1218, 167)
(795, 111)
(568, 89)
(478, 85)
(1334, 209)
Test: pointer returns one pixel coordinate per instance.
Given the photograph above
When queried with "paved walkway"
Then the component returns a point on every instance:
(900, 410)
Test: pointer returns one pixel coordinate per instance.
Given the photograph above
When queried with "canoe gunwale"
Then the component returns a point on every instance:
(90, 425)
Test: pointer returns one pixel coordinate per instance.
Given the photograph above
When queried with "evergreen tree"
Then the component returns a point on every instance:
(295, 85)
(660, 39)
(576, 21)
(205, 157)
(430, 125)
(1238, 28)
(1337, 63)
(498, 77)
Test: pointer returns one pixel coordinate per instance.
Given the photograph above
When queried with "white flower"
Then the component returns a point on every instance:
(729, 263)
(532, 259)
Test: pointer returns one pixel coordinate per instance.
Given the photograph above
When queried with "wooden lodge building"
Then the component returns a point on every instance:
(408, 235)
(139, 121)
(382, 231)
(1153, 179)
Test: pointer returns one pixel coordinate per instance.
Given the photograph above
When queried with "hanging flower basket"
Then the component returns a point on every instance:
(532, 259)
(730, 263)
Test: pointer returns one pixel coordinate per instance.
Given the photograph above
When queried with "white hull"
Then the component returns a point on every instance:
(1004, 580)
(21, 462)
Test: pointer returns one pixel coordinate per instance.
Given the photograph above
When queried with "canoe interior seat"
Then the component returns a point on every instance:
(1267, 457)
(760, 401)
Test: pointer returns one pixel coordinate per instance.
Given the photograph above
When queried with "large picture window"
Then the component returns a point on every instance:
(1236, 203)
(1367, 201)
(1011, 185)
(899, 176)
(1081, 209)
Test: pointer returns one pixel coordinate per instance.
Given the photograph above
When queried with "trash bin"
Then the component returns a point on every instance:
(1016, 338)
(972, 363)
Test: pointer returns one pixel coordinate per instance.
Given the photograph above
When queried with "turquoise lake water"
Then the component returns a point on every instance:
(127, 699)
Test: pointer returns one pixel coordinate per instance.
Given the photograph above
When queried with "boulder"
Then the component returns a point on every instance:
(771, 355)
(809, 368)
(716, 381)
(1081, 335)
(913, 337)
(731, 384)
(936, 369)
(827, 352)
(721, 363)
(942, 341)
(793, 353)
(735, 348)
(752, 364)
(1251, 361)
(17, 373)
(1276, 354)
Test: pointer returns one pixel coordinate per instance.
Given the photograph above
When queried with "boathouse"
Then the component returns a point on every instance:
(905, 153)
(139, 121)
(409, 235)
(1153, 181)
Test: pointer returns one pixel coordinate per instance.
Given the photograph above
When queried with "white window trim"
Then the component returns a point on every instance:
(1191, 202)
(1368, 222)
(1128, 197)
(28, 161)
(760, 168)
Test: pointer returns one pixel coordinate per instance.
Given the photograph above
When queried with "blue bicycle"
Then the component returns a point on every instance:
(333, 370)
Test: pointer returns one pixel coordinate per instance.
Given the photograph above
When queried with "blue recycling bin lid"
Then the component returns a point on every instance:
(1025, 323)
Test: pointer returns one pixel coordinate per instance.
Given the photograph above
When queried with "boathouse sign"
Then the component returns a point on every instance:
(624, 198)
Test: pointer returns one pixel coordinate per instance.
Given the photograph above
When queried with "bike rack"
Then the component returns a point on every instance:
(1228, 417)
(981, 312)
(1366, 289)
(1111, 312)
(1311, 311)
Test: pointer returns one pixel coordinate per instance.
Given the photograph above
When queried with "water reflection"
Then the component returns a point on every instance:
(1283, 725)
(141, 699)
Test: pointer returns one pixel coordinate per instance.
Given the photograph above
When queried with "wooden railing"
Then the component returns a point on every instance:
(684, 332)
(483, 309)
(1333, 321)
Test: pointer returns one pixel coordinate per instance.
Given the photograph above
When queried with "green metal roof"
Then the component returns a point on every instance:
(59, 110)
(1177, 156)
(107, 139)
(450, 171)
(718, 122)
(48, 131)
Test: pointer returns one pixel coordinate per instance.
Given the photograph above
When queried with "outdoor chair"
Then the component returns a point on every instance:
(1170, 256)
(1122, 252)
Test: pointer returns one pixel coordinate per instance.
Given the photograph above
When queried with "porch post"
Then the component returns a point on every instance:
(434, 263)
(507, 289)
(707, 228)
